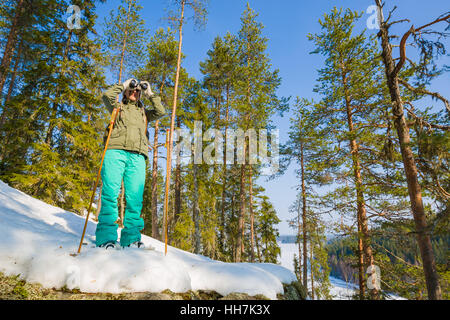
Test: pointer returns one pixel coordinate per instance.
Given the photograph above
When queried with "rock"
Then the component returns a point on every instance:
(243, 296)
(12, 287)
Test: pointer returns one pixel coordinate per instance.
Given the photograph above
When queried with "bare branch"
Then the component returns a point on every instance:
(398, 21)
(424, 91)
(444, 18)
(389, 16)
(405, 37)
(430, 125)
(403, 50)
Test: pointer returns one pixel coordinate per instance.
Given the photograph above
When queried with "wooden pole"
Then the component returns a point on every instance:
(111, 124)
(172, 123)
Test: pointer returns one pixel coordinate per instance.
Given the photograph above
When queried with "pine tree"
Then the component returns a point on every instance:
(196, 110)
(392, 70)
(296, 224)
(12, 38)
(199, 8)
(266, 220)
(124, 37)
(320, 269)
(350, 91)
(219, 74)
(16, 32)
(256, 99)
(59, 134)
(307, 146)
(159, 71)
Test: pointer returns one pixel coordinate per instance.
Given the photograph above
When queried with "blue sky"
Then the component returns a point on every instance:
(287, 23)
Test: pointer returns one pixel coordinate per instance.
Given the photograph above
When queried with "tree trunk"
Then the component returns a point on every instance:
(224, 181)
(310, 263)
(177, 204)
(195, 207)
(240, 235)
(299, 233)
(51, 126)
(195, 211)
(363, 230)
(361, 281)
(414, 189)
(10, 44)
(165, 216)
(14, 73)
(172, 121)
(304, 222)
(252, 216)
(258, 251)
(124, 46)
(232, 230)
(154, 186)
(99, 201)
(122, 56)
(11, 83)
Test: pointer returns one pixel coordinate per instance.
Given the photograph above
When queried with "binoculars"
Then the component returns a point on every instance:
(137, 85)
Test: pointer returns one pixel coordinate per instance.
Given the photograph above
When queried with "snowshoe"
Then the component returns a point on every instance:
(108, 245)
(136, 244)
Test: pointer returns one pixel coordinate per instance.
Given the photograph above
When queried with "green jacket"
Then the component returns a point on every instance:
(130, 129)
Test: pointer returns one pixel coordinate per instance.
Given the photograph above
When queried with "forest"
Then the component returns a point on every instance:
(398, 259)
(373, 149)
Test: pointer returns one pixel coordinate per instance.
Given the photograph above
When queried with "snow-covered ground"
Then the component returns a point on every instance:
(37, 240)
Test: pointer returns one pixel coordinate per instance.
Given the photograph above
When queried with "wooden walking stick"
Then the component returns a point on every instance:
(111, 124)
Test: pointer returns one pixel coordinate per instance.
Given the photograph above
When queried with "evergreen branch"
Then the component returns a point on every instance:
(374, 152)
(440, 190)
(382, 182)
(377, 213)
(370, 125)
(390, 252)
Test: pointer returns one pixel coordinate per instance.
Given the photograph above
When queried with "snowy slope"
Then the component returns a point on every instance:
(36, 240)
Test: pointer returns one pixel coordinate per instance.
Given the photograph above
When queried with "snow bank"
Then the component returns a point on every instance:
(36, 240)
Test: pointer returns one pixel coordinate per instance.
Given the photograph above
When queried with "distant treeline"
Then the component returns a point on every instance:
(287, 239)
(397, 256)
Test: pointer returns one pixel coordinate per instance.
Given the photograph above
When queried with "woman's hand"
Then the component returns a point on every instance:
(145, 87)
(126, 84)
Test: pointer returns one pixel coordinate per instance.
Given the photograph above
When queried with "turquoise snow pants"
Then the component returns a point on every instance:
(129, 166)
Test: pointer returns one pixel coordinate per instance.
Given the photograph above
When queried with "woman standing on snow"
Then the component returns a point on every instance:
(125, 160)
